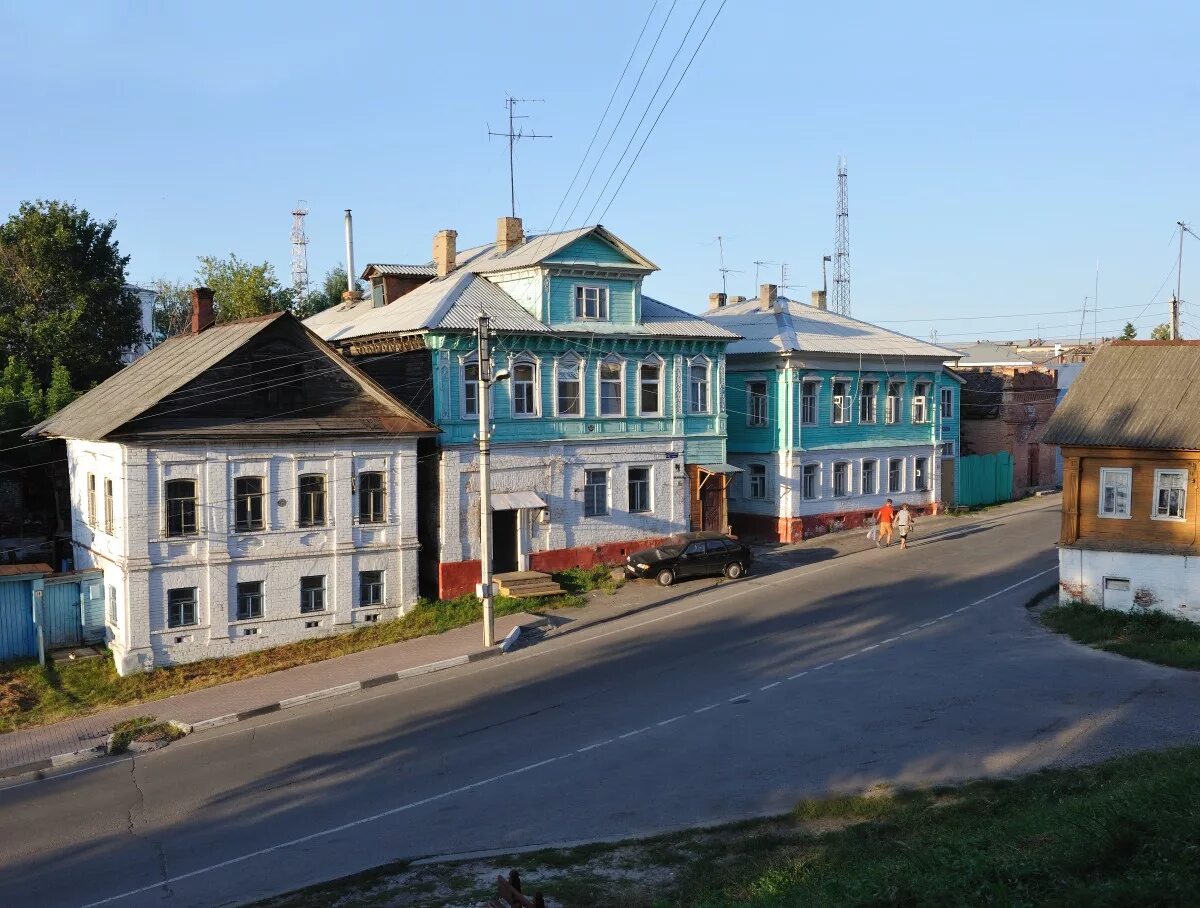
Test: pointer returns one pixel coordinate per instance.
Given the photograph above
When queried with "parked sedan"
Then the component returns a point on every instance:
(691, 555)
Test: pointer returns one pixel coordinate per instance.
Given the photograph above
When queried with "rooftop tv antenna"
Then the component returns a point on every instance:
(514, 136)
(725, 272)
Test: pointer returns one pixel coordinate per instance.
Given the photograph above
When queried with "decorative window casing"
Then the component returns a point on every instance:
(810, 482)
(108, 506)
(757, 478)
(920, 402)
(699, 371)
(91, 500)
(841, 480)
(180, 514)
(756, 403)
(311, 511)
(842, 403)
(312, 594)
(611, 386)
(248, 504)
(895, 400)
(181, 606)
(1170, 494)
(895, 475)
(370, 588)
(568, 386)
(249, 600)
(591, 302)
(595, 493)
(640, 490)
(870, 477)
(372, 498)
(525, 396)
(650, 387)
(868, 394)
(1116, 487)
(470, 389)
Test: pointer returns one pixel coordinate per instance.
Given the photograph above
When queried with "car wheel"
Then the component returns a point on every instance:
(665, 577)
(734, 570)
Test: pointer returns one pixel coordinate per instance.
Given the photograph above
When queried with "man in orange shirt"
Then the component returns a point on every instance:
(883, 520)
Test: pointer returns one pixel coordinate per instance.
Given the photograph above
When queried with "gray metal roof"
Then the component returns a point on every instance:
(986, 353)
(1133, 394)
(667, 320)
(798, 327)
(405, 270)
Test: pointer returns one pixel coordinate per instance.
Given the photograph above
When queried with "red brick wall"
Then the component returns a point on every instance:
(759, 527)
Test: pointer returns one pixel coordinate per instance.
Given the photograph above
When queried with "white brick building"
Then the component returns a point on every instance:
(241, 487)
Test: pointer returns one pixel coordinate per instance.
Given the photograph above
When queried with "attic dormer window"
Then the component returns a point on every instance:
(591, 302)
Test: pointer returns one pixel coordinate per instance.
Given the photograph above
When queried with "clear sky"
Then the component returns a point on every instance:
(996, 151)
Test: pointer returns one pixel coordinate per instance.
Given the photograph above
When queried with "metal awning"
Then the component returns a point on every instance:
(720, 468)
(513, 501)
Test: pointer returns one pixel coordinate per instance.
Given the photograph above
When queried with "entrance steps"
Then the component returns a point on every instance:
(527, 584)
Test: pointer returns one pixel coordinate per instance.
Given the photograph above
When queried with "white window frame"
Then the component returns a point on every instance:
(862, 476)
(816, 489)
(695, 399)
(566, 360)
(902, 485)
(841, 406)
(947, 449)
(655, 362)
(763, 493)
(921, 483)
(920, 403)
(870, 401)
(607, 474)
(579, 300)
(848, 474)
(91, 500)
(811, 420)
(947, 405)
(758, 405)
(108, 505)
(467, 362)
(1154, 511)
(611, 360)
(894, 415)
(522, 360)
(649, 509)
(1127, 472)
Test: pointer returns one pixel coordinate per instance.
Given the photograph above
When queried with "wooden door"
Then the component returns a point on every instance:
(947, 496)
(710, 505)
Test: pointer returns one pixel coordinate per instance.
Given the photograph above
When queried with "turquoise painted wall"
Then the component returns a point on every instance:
(590, 249)
(622, 301)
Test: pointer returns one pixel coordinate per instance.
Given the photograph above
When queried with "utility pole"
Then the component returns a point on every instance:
(513, 137)
(484, 338)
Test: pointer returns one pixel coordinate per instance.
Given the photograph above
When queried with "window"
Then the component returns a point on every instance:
(371, 502)
(639, 490)
(947, 449)
(866, 401)
(1114, 492)
(870, 477)
(470, 391)
(312, 594)
(570, 399)
(1170, 494)
(91, 499)
(108, 507)
(921, 475)
(810, 479)
(112, 604)
(312, 500)
(841, 480)
(595, 493)
(756, 403)
(181, 607)
(758, 481)
(376, 292)
(946, 413)
(920, 402)
(841, 402)
(612, 401)
(248, 503)
(896, 475)
(808, 403)
(591, 302)
(370, 587)
(524, 389)
(249, 600)
(650, 388)
(181, 507)
(895, 396)
(698, 386)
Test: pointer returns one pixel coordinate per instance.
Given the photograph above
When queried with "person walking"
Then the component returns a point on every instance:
(904, 525)
(883, 518)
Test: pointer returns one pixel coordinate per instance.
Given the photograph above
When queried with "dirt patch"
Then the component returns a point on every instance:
(15, 696)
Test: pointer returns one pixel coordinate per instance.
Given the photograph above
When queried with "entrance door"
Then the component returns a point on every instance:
(710, 505)
(504, 541)
(947, 497)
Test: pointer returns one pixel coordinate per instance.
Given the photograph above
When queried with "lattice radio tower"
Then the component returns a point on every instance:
(841, 246)
(299, 250)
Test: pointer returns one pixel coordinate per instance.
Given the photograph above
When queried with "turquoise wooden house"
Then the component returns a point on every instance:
(610, 430)
(830, 416)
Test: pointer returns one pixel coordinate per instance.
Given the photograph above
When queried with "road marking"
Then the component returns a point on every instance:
(945, 616)
(797, 675)
(704, 709)
(594, 746)
(819, 667)
(963, 609)
(669, 721)
(927, 623)
(62, 775)
(772, 684)
(630, 734)
(867, 649)
(739, 697)
(888, 640)
(847, 656)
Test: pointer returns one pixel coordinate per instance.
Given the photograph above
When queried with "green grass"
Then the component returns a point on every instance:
(31, 695)
(1121, 833)
(584, 580)
(1150, 635)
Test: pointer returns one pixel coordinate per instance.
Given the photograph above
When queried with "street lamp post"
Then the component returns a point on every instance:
(486, 591)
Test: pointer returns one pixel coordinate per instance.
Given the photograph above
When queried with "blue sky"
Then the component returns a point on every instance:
(996, 151)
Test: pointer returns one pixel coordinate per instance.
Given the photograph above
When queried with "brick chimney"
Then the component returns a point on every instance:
(716, 301)
(509, 234)
(444, 249)
(768, 297)
(818, 300)
(203, 316)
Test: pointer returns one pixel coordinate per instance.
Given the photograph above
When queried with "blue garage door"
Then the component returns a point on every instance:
(18, 634)
(64, 623)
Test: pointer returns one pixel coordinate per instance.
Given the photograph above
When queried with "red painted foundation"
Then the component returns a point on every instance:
(797, 529)
(456, 578)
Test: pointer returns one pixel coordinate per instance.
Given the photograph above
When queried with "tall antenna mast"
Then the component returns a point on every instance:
(513, 136)
(841, 246)
(299, 250)
(724, 271)
(759, 264)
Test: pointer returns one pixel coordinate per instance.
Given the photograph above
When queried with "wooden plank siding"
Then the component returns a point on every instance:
(1082, 525)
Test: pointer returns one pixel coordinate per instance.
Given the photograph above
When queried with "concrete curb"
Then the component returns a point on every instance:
(101, 750)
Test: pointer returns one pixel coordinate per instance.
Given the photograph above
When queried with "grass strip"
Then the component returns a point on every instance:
(1150, 635)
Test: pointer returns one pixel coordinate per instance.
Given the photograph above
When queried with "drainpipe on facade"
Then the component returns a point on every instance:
(789, 427)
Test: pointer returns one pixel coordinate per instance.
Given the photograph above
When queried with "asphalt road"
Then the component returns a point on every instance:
(885, 666)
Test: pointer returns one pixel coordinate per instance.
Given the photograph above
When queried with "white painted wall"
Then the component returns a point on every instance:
(142, 563)
(1169, 583)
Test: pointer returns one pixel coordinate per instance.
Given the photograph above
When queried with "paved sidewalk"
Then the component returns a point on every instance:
(21, 748)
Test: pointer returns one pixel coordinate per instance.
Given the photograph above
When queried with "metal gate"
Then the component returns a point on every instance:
(985, 479)
(70, 608)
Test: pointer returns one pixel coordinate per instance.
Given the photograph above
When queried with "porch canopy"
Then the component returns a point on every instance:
(514, 501)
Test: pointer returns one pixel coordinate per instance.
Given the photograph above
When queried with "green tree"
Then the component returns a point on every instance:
(172, 308)
(1161, 332)
(21, 398)
(1130, 332)
(62, 293)
(59, 393)
(242, 290)
(329, 294)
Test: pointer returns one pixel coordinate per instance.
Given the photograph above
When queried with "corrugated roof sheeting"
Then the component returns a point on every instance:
(803, 328)
(664, 319)
(404, 270)
(1133, 394)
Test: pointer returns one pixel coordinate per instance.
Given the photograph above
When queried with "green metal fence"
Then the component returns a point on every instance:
(985, 479)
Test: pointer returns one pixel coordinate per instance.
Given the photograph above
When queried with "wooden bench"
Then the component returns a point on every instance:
(509, 892)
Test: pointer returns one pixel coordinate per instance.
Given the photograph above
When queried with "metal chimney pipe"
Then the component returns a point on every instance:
(349, 253)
